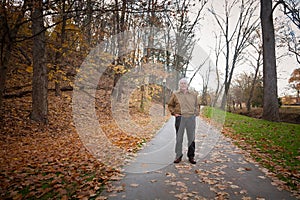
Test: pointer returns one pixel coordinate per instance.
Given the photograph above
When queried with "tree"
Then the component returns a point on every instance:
(289, 26)
(270, 102)
(40, 75)
(12, 18)
(184, 27)
(258, 62)
(240, 89)
(291, 10)
(205, 80)
(60, 49)
(218, 49)
(95, 21)
(243, 89)
(295, 82)
(236, 40)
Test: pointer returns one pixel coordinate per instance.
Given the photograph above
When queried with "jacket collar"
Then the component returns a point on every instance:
(187, 92)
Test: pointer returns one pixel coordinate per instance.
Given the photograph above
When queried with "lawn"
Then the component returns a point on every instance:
(275, 145)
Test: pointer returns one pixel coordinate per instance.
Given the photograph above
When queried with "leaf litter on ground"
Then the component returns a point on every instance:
(51, 161)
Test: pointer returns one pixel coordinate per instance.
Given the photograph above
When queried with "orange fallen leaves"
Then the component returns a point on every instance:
(38, 161)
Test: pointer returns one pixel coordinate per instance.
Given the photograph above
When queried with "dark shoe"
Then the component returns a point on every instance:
(178, 160)
(192, 160)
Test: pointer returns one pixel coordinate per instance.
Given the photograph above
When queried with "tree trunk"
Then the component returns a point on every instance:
(270, 102)
(60, 53)
(253, 83)
(225, 95)
(40, 76)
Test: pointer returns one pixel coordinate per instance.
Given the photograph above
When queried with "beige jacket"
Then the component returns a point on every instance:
(184, 104)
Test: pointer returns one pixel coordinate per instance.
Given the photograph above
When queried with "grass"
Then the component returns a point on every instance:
(275, 145)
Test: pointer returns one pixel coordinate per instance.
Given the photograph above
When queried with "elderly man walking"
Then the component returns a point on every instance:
(184, 106)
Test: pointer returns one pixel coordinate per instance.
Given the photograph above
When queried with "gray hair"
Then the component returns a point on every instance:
(183, 80)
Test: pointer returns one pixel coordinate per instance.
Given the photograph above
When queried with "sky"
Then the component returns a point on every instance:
(208, 25)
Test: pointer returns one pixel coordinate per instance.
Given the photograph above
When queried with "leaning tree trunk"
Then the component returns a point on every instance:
(253, 83)
(40, 76)
(270, 103)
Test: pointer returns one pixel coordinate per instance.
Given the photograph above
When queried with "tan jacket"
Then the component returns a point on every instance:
(184, 104)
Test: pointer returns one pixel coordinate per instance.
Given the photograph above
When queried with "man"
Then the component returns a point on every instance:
(184, 106)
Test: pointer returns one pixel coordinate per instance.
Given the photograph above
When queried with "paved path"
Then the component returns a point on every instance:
(221, 172)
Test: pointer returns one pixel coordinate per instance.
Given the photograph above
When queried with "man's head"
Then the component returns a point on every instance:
(183, 84)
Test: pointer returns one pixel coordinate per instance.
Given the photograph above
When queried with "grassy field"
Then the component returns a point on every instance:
(275, 145)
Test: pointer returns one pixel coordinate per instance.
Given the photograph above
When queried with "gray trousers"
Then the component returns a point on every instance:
(182, 124)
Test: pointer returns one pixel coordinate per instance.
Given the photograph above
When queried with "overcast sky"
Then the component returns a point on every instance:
(285, 65)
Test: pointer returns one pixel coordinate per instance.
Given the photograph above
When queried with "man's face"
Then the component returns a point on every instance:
(183, 85)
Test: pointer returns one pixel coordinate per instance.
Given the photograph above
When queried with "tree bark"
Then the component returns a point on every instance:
(270, 102)
(40, 75)
(60, 52)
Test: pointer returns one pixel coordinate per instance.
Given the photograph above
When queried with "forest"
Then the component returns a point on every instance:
(71, 68)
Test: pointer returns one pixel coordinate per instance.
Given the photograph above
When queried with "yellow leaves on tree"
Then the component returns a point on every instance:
(119, 69)
(295, 80)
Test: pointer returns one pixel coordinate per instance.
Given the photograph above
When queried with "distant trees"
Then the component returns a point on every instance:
(235, 46)
(294, 82)
(243, 90)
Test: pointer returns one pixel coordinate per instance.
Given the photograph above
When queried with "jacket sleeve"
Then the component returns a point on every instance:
(172, 104)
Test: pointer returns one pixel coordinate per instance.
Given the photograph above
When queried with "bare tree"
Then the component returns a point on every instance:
(256, 43)
(236, 41)
(240, 89)
(289, 26)
(288, 37)
(184, 28)
(205, 81)
(270, 102)
(218, 51)
(291, 8)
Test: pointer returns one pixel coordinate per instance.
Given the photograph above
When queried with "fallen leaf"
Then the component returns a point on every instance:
(234, 186)
(134, 185)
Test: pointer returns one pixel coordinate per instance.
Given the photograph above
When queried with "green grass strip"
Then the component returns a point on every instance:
(275, 145)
